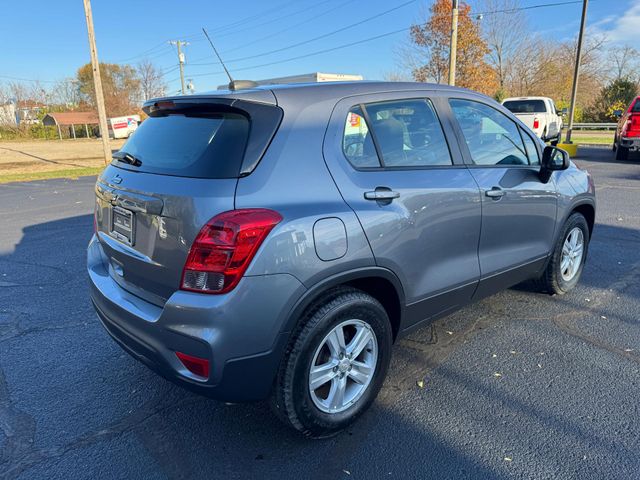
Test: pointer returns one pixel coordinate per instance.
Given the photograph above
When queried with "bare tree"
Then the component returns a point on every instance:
(152, 82)
(18, 92)
(66, 93)
(504, 27)
(38, 93)
(396, 76)
(624, 62)
(5, 97)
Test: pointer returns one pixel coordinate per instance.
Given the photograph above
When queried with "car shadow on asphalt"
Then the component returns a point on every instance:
(96, 393)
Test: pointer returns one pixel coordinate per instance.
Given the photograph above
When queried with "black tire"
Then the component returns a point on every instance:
(622, 153)
(552, 280)
(557, 140)
(291, 397)
(615, 143)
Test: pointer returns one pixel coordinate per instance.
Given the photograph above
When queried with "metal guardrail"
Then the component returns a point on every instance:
(593, 126)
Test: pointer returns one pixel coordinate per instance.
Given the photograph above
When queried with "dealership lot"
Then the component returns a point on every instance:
(521, 385)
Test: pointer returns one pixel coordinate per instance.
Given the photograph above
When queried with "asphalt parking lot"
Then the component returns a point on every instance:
(521, 385)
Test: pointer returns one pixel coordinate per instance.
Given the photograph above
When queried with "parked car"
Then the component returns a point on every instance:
(539, 114)
(627, 137)
(275, 242)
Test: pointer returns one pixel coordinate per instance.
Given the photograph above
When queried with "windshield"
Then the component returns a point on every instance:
(202, 146)
(525, 106)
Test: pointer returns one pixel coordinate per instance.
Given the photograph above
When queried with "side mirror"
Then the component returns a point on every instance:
(553, 159)
(565, 111)
(617, 113)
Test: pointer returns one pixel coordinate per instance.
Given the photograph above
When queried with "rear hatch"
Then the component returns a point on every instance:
(177, 171)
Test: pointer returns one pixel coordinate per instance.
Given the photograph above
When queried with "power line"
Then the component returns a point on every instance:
(145, 53)
(224, 27)
(8, 77)
(319, 37)
(251, 18)
(369, 39)
(327, 50)
(252, 27)
(291, 27)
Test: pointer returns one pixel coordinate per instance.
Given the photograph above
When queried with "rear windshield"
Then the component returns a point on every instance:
(525, 106)
(201, 146)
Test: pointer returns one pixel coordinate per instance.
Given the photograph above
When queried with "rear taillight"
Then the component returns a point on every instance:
(223, 249)
(631, 127)
(536, 123)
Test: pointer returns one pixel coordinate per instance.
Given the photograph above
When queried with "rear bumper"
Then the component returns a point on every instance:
(239, 333)
(632, 144)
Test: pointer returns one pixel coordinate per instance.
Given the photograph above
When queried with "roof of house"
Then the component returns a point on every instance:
(73, 118)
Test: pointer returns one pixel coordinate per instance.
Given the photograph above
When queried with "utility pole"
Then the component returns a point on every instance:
(576, 70)
(179, 44)
(454, 43)
(97, 83)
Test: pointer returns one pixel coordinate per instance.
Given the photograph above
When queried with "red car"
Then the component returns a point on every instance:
(627, 138)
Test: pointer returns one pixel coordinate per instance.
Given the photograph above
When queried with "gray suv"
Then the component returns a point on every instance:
(275, 242)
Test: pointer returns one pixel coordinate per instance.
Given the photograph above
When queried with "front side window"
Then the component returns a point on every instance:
(491, 137)
(532, 151)
(357, 143)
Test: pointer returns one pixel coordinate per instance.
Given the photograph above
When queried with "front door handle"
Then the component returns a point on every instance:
(495, 193)
(381, 194)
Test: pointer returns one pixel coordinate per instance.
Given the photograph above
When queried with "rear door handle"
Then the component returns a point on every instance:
(495, 192)
(381, 194)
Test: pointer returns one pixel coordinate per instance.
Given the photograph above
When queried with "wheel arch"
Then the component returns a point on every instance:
(380, 283)
(588, 211)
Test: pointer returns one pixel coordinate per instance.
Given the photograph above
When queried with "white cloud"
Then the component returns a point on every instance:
(623, 28)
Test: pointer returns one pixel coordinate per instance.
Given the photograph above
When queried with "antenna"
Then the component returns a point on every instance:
(218, 55)
(233, 84)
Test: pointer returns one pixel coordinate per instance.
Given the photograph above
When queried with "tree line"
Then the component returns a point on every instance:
(125, 88)
(500, 56)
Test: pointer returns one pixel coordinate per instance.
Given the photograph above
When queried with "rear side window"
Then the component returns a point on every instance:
(357, 143)
(525, 106)
(491, 137)
(405, 133)
(636, 107)
(201, 146)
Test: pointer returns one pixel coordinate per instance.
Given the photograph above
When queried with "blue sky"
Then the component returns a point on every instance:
(47, 40)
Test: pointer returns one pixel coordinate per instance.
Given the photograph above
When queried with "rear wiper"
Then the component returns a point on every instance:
(127, 158)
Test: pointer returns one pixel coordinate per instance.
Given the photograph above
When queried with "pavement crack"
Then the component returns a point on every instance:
(18, 464)
(565, 321)
(18, 428)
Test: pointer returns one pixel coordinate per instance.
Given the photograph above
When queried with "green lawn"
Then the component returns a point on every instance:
(591, 137)
(65, 173)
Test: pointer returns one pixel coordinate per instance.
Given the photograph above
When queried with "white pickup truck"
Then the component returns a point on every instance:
(539, 114)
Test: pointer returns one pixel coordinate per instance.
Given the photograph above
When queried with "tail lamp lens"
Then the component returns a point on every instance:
(224, 248)
(536, 124)
(631, 127)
